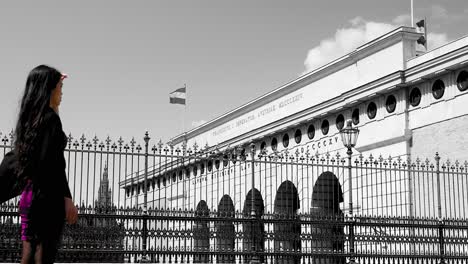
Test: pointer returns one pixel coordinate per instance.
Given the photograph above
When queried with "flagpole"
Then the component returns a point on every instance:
(425, 32)
(185, 113)
(412, 14)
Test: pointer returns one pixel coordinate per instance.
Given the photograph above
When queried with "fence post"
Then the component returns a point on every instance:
(145, 258)
(253, 216)
(439, 210)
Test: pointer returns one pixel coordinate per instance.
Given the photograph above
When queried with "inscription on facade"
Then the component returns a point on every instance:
(262, 112)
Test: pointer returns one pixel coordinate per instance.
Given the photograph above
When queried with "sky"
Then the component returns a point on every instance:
(123, 58)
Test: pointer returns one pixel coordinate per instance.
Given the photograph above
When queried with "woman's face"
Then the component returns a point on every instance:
(56, 97)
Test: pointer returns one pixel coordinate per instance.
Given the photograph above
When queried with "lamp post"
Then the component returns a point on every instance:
(349, 137)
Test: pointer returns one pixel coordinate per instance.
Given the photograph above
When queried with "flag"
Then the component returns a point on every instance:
(177, 96)
(420, 23)
(421, 40)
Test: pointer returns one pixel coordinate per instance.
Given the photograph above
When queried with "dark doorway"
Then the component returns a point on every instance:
(253, 231)
(288, 230)
(201, 233)
(328, 236)
(225, 232)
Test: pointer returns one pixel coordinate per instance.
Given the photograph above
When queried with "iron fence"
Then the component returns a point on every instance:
(162, 203)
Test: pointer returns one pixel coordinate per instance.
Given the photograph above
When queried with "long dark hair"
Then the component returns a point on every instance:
(34, 103)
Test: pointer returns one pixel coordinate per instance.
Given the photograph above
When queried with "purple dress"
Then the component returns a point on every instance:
(24, 206)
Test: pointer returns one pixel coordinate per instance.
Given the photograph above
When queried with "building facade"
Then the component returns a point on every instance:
(407, 104)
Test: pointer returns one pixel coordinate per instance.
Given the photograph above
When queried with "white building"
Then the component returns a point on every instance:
(406, 104)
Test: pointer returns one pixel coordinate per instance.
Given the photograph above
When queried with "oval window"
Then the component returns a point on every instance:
(415, 97)
(262, 146)
(325, 127)
(438, 89)
(371, 110)
(339, 122)
(286, 140)
(274, 144)
(462, 81)
(298, 136)
(311, 131)
(355, 116)
(390, 103)
(210, 165)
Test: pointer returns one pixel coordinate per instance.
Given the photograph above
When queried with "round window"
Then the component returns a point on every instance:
(415, 97)
(274, 144)
(217, 162)
(390, 103)
(210, 165)
(355, 116)
(286, 140)
(202, 168)
(325, 127)
(339, 121)
(225, 160)
(462, 81)
(371, 110)
(298, 136)
(438, 89)
(311, 131)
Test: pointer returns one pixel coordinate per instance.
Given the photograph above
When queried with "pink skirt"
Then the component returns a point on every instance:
(24, 207)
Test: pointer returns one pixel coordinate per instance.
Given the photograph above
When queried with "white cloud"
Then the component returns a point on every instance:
(349, 38)
(403, 20)
(198, 123)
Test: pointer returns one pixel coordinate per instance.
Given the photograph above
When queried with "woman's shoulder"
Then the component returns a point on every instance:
(51, 118)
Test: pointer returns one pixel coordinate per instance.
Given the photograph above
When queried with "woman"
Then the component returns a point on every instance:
(39, 144)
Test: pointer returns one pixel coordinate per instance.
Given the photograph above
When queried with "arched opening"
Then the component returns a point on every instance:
(253, 231)
(326, 198)
(225, 233)
(201, 233)
(288, 230)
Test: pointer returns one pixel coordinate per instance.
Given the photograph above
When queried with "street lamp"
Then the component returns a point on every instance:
(349, 137)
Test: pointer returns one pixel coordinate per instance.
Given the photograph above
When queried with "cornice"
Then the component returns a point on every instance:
(446, 62)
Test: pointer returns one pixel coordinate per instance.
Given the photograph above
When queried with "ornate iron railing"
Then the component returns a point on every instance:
(178, 205)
